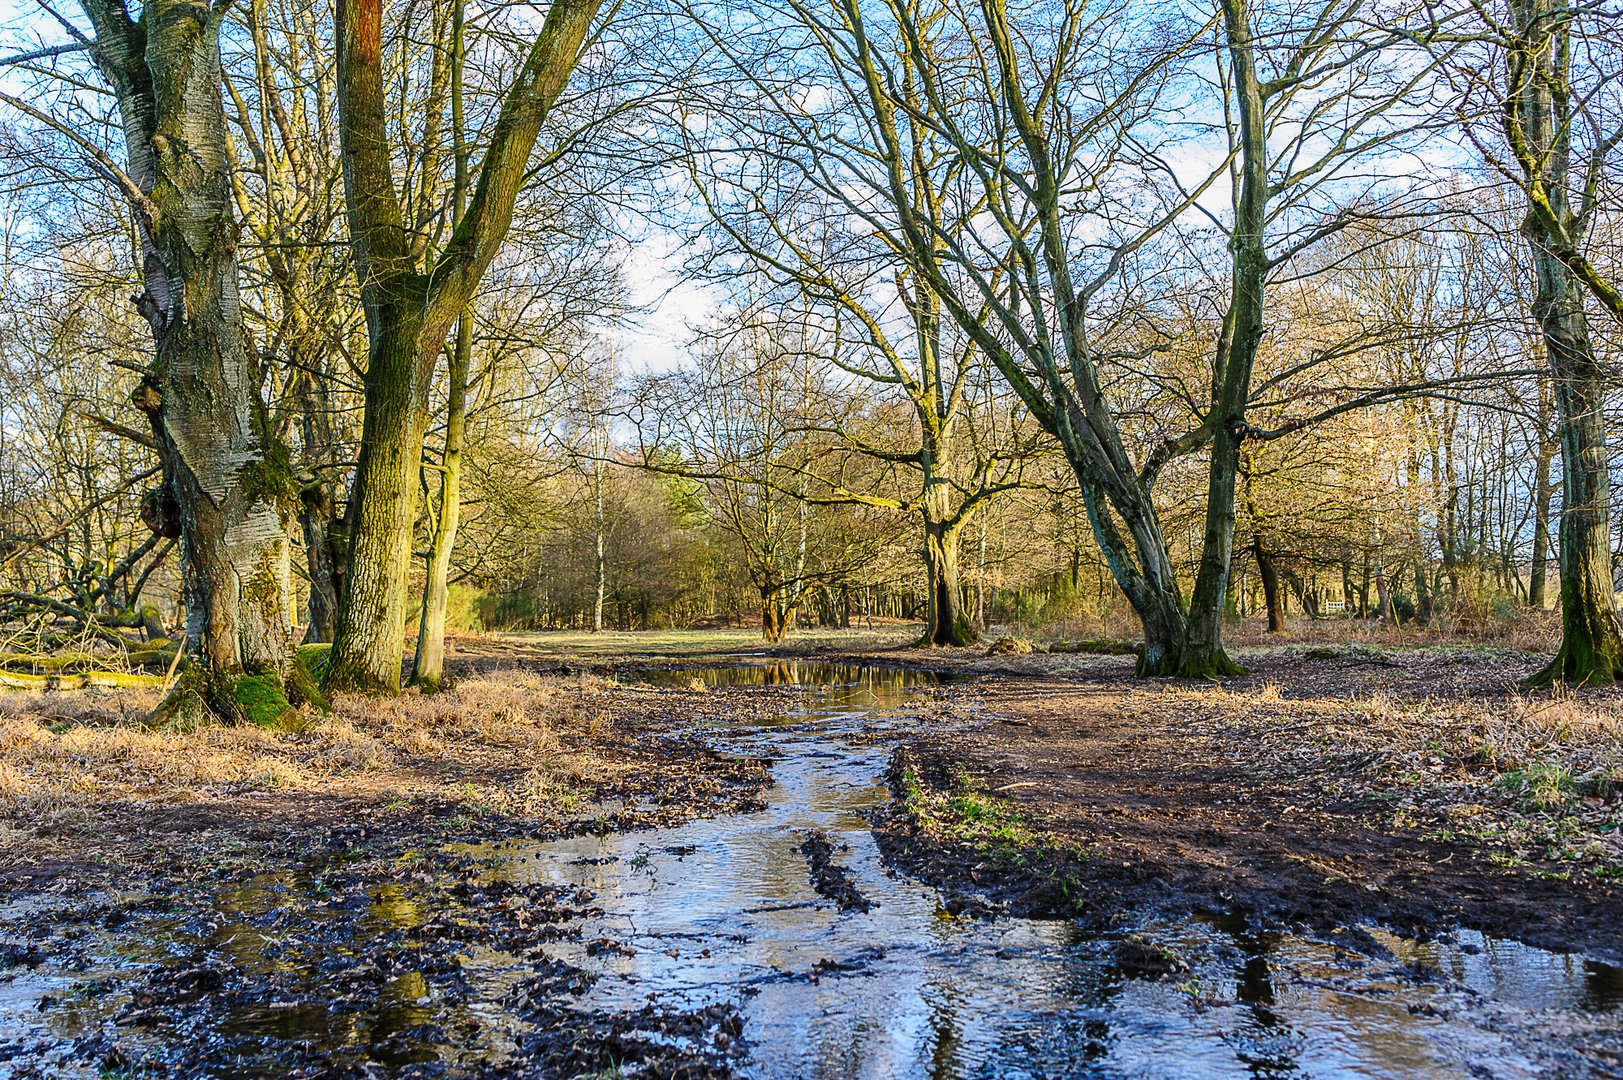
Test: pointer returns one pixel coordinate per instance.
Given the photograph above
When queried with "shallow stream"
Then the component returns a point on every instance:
(721, 912)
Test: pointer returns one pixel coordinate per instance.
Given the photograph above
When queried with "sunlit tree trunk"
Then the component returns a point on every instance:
(1537, 121)
(945, 620)
(411, 308)
(1202, 654)
(600, 562)
(229, 481)
(428, 666)
(1273, 596)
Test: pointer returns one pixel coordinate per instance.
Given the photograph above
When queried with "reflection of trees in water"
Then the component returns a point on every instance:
(1603, 987)
(947, 1049)
(851, 682)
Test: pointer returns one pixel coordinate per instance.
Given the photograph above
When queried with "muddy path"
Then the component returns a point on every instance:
(774, 937)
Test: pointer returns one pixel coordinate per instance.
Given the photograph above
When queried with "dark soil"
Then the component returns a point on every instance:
(1179, 816)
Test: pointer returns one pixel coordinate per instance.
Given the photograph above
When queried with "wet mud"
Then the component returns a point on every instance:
(777, 937)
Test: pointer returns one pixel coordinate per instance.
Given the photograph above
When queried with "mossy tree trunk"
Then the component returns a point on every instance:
(945, 621)
(428, 666)
(411, 303)
(227, 479)
(1591, 647)
(1537, 117)
(1202, 654)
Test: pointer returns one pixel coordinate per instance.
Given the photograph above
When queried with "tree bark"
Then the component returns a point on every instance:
(1202, 654)
(368, 647)
(1543, 492)
(319, 516)
(1537, 119)
(1273, 596)
(1591, 647)
(228, 477)
(946, 623)
(428, 666)
(410, 310)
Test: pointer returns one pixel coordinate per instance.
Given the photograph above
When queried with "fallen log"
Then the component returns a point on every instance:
(13, 680)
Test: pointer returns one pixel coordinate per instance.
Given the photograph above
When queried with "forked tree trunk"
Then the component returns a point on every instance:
(1202, 655)
(320, 520)
(228, 480)
(774, 618)
(410, 308)
(324, 559)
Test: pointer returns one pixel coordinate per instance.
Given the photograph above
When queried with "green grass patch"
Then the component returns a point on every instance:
(966, 816)
(1540, 785)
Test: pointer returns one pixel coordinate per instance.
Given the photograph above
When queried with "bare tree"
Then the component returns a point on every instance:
(412, 300)
(228, 483)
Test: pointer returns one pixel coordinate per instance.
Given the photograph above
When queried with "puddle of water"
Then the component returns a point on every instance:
(722, 911)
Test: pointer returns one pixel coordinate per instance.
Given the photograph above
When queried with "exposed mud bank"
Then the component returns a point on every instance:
(1185, 800)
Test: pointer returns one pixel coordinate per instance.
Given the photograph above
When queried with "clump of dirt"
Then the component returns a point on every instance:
(684, 1044)
(1140, 958)
(830, 880)
(987, 856)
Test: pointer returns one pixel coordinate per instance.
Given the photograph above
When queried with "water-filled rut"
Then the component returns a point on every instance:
(774, 943)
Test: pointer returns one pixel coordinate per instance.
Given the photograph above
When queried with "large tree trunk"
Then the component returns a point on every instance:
(1202, 655)
(1143, 570)
(776, 618)
(410, 308)
(368, 646)
(1591, 647)
(228, 480)
(945, 621)
(1538, 119)
(428, 666)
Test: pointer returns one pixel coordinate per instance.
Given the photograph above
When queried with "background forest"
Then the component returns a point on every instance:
(1110, 319)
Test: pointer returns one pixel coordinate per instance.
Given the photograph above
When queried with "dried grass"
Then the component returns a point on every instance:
(60, 750)
(1534, 776)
